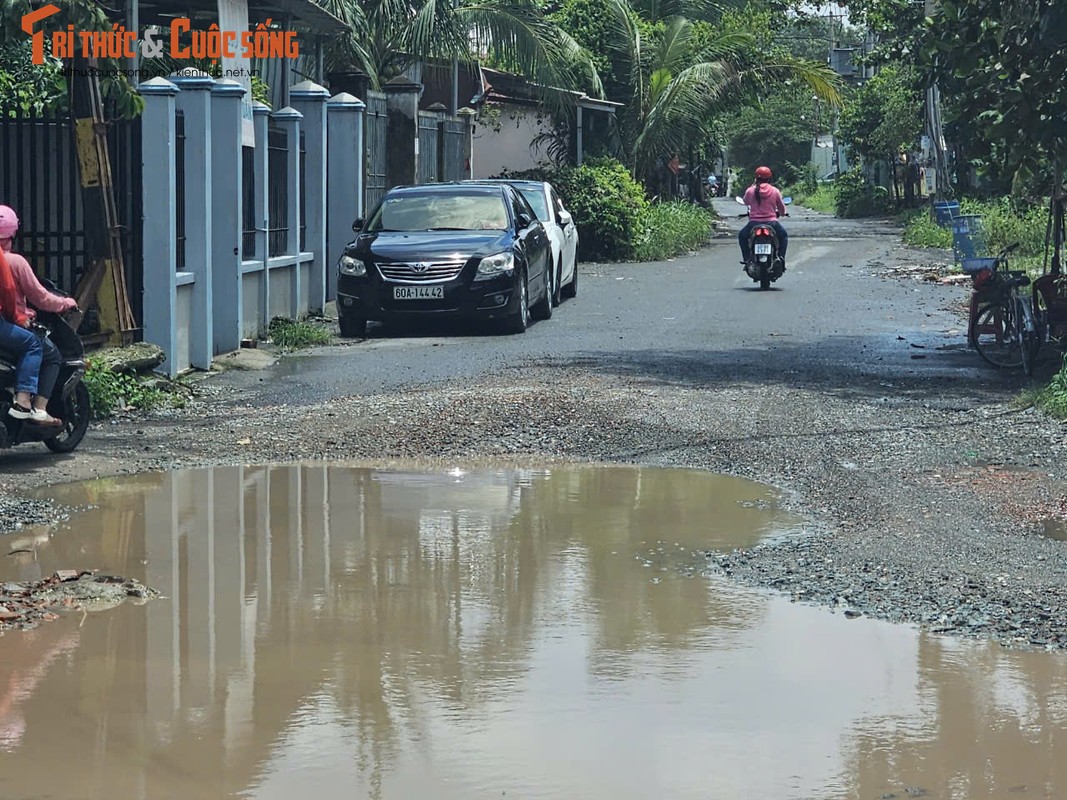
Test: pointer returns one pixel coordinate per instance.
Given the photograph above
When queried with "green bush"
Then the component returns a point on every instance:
(109, 391)
(922, 231)
(608, 206)
(857, 198)
(1003, 225)
(672, 228)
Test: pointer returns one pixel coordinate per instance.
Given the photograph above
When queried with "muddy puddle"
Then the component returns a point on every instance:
(341, 632)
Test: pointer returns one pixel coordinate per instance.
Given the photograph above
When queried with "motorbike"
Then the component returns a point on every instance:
(70, 398)
(764, 265)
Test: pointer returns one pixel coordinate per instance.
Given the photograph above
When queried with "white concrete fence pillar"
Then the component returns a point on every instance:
(158, 198)
(194, 101)
(288, 119)
(344, 178)
(309, 99)
(227, 225)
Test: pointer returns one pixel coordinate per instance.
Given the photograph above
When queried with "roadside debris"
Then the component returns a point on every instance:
(139, 357)
(25, 605)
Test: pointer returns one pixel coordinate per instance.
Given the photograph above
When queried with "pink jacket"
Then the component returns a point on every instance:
(767, 208)
(30, 289)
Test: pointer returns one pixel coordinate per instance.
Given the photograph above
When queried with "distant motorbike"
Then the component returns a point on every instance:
(69, 401)
(764, 266)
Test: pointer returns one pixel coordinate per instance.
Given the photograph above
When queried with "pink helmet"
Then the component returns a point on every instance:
(9, 222)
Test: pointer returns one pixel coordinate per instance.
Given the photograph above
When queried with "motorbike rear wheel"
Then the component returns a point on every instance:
(75, 416)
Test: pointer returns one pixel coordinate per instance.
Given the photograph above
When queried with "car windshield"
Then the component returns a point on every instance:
(535, 196)
(439, 211)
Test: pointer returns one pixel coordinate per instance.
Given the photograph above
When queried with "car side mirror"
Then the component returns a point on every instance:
(523, 221)
(357, 226)
(565, 219)
(787, 201)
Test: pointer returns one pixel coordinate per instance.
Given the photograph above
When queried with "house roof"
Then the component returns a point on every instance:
(303, 14)
(510, 88)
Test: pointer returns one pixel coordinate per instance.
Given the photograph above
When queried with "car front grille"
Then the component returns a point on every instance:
(421, 272)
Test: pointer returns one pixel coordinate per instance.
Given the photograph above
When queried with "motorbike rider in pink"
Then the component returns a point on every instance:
(28, 288)
(765, 205)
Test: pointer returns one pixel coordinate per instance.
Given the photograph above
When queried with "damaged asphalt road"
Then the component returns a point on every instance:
(924, 482)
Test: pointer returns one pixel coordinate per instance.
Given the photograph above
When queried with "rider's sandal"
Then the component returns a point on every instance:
(19, 411)
(42, 417)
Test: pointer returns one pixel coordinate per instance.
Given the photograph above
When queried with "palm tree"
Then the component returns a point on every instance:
(387, 36)
(675, 87)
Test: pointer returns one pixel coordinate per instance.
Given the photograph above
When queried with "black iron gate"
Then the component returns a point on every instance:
(374, 140)
(39, 179)
(277, 191)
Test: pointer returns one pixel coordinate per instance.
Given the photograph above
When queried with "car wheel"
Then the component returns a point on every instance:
(520, 320)
(571, 289)
(543, 309)
(557, 295)
(352, 327)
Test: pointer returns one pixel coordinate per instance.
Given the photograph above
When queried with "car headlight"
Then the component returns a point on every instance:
(351, 266)
(494, 265)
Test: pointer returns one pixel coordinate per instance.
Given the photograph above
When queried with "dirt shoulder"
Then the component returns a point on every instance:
(924, 501)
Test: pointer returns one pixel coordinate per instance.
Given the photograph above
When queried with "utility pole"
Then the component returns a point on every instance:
(934, 130)
(454, 105)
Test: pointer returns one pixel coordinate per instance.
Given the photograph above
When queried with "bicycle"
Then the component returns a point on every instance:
(1006, 328)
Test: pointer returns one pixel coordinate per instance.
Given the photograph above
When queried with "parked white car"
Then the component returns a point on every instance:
(561, 228)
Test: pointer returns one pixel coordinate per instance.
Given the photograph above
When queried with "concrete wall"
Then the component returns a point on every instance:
(224, 294)
(509, 147)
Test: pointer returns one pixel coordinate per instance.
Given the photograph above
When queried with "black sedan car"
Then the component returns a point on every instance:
(446, 250)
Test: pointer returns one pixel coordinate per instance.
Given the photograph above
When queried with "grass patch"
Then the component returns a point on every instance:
(1053, 398)
(920, 230)
(1001, 224)
(823, 199)
(292, 335)
(110, 391)
(668, 229)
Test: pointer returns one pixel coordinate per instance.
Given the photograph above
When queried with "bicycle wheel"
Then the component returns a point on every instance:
(996, 337)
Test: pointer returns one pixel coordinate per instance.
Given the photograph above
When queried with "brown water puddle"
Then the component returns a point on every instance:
(337, 632)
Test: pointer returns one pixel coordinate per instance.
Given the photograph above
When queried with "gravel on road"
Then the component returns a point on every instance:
(924, 500)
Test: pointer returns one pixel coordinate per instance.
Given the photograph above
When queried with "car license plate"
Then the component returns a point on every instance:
(763, 249)
(418, 292)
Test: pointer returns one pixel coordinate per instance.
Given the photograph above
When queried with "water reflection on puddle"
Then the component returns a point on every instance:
(337, 632)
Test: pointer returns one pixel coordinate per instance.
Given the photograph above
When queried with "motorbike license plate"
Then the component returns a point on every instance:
(418, 292)
(763, 249)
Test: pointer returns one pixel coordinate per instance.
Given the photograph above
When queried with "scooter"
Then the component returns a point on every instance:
(69, 401)
(764, 265)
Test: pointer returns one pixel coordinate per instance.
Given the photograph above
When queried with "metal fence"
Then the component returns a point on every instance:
(277, 192)
(374, 138)
(453, 165)
(427, 164)
(179, 187)
(248, 203)
(39, 179)
(303, 192)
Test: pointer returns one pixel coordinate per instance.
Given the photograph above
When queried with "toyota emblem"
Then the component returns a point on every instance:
(420, 267)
